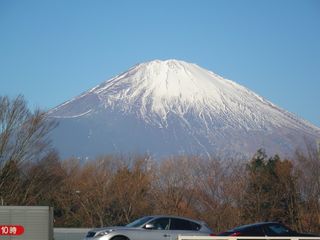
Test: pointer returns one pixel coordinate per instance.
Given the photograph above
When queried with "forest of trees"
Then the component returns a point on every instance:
(114, 190)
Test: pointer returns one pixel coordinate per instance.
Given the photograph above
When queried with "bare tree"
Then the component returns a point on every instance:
(173, 186)
(308, 166)
(219, 192)
(41, 180)
(130, 188)
(23, 137)
(23, 134)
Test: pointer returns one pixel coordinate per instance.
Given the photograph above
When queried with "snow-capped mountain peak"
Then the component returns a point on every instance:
(161, 94)
(170, 80)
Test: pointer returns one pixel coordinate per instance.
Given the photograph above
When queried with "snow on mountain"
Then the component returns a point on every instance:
(174, 107)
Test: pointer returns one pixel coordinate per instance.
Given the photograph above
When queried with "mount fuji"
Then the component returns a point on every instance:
(172, 107)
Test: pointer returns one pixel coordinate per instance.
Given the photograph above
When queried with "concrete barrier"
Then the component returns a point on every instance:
(70, 233)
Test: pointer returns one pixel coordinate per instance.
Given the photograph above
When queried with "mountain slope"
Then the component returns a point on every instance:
(174, 107)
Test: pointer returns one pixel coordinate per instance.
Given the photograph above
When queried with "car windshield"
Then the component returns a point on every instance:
(139, 222)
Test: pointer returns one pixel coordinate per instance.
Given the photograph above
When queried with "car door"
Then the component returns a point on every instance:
(180, 226)
(255, 231)
(156, 229)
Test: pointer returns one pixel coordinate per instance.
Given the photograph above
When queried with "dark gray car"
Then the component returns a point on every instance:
(152, 228)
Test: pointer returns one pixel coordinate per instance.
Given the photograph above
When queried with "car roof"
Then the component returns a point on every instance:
(173, 216)
(253, 225)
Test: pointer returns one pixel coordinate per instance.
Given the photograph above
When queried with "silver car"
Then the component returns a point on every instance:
(152, 228)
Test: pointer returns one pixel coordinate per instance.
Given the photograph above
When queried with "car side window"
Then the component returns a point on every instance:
(160, 224)
(276, 230)
(181, 224)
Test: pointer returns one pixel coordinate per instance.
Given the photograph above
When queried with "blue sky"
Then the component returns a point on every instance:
(51, 51)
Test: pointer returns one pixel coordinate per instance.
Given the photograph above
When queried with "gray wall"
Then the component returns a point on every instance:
(36, 220)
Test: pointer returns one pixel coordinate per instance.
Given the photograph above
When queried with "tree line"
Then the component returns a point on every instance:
(114, 189)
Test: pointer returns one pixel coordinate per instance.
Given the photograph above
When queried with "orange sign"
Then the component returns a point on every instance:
(11, 230)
